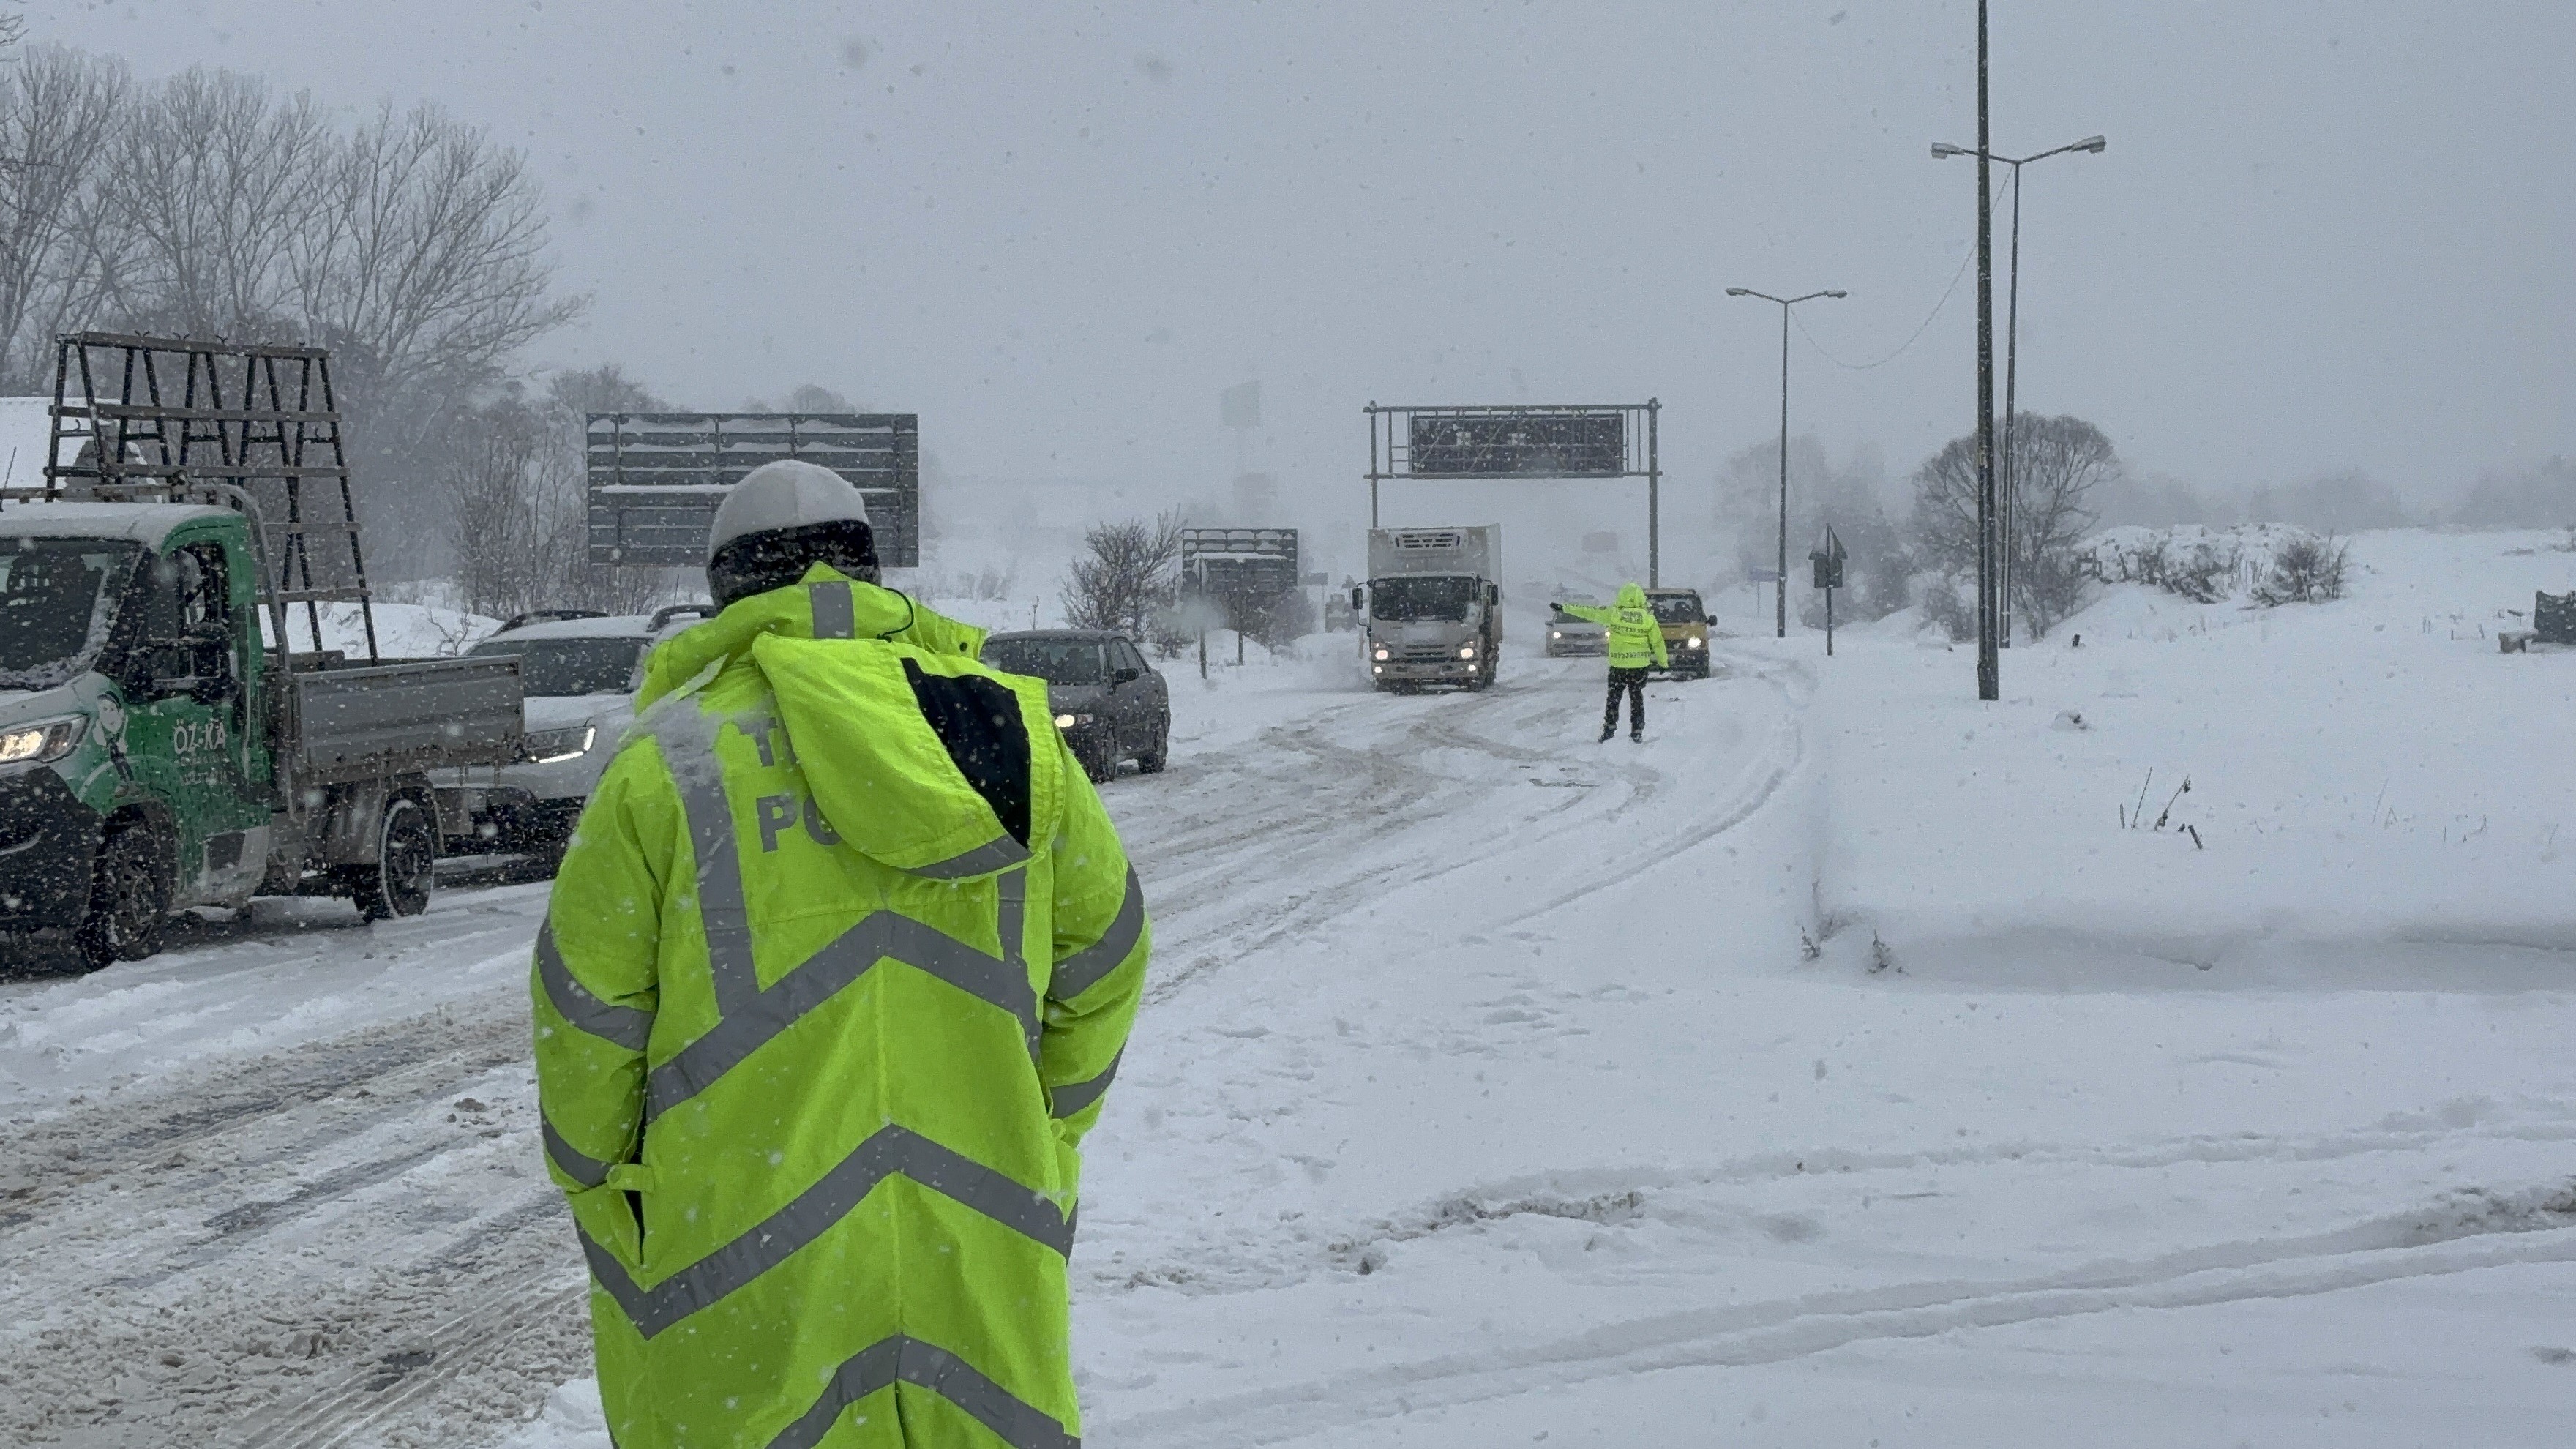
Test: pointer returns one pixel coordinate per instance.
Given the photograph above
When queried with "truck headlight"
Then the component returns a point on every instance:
(1694, 642)
(1381, 654)
(43, 742)
(1466, 651)
(549, 747)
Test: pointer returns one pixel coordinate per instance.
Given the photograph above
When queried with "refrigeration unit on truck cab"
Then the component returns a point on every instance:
(1433, 606)
(162, 742)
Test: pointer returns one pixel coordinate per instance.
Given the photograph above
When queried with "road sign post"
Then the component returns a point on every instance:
(1828, 556)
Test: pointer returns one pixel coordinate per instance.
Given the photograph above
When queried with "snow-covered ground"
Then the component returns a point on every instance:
(403, 631)
(1836, 1067)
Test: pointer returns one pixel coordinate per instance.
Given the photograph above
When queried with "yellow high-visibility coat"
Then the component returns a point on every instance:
(1636, 640)
(839, 964)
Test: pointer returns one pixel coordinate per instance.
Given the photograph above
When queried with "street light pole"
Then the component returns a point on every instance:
(2011, 485)
(1989, 668)
(1781, 584)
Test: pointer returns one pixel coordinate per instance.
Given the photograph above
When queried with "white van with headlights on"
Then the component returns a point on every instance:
(580, 671)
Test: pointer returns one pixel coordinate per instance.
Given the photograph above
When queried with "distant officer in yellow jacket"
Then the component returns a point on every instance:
(838, 967)
(1636, 641)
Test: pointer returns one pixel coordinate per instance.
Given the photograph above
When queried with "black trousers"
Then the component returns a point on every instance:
(1634, 682)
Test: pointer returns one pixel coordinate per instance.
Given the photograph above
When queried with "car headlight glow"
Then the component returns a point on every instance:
(1381, 652)
(1068, 721)
(1556, 633)
(1694, 642)
(551, 747)
(43, 742)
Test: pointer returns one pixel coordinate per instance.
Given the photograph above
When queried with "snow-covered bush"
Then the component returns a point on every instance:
(2304, 571)
(1947, 604)
(2204, 575)
(2207, 565)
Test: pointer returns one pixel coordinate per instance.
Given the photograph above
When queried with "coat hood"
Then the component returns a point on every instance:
(1632, 596)
(917, 756)
(875, 613)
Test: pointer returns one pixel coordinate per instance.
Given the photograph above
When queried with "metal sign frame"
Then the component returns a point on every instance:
(1391, 453)
(254, 426)
(1246, 566)
(1240, 560)
(654, 479)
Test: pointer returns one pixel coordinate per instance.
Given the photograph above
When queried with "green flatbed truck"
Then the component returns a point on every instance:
(159, 750)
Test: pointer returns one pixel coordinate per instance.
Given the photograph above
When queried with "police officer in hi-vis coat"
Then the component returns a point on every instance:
(1636, 640)
(838, 967)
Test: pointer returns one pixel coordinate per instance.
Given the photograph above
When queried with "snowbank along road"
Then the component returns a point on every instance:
(1495, 1086)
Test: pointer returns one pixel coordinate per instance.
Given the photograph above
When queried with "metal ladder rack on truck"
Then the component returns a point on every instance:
(1434, 607)
(162, 743)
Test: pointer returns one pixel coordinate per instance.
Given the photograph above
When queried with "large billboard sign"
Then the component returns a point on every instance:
(655, 478)
(1246, 564)
(1533, 444)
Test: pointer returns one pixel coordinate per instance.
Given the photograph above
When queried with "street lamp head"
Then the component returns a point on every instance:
(1838, 294)
(1943, 148)
(2093, 144)
(1739, 291)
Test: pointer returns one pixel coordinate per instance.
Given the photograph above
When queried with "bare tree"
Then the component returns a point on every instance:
(57, 110)
(409, 243)
(809, 397)
(517, 516)
(518, 509)
(1126, 578)
(2059, 461)
(606, 388)
(428, 257)
(206, 186)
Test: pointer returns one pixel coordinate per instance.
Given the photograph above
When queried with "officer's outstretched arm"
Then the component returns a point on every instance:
(596, 979)
(1101, 941)
(1590, 614)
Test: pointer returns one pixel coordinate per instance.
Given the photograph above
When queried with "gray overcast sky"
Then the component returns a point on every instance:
(2325, 235)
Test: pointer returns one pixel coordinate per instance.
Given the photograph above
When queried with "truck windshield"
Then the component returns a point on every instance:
(1677, 608)
(1057, 661)
(570, 666)
(56, 596)
(1413, 600)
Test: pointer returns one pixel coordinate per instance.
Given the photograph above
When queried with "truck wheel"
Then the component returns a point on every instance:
(1151, 762)
(128, 900)
(397, 882)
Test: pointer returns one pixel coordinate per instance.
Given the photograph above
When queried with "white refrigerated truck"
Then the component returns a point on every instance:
(1434, 606)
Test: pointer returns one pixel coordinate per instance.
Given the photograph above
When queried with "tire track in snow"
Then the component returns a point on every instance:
(369, 1200)
(1292, 865)
(1754, 785)
(410, 1382)
(1662, 1192)
(2538, 1226)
